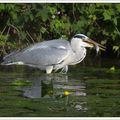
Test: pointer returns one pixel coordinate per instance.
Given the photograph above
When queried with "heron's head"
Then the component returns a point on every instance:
(85, 41)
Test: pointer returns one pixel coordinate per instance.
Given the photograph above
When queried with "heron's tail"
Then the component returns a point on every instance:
(11, 58)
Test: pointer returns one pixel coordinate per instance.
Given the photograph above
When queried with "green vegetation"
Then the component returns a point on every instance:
(24, 24)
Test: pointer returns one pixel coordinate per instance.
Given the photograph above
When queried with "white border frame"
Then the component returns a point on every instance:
(59, 1)
(59, 118)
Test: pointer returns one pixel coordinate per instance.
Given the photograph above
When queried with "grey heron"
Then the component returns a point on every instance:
(53, 54)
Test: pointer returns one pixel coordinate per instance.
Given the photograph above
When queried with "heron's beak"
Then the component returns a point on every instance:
(95, 44)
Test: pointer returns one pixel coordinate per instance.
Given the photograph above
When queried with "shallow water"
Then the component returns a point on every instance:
(92, 91)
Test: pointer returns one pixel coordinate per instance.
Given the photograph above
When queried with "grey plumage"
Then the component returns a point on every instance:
(49, 55)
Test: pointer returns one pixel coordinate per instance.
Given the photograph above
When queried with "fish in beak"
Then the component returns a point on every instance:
(95, 44)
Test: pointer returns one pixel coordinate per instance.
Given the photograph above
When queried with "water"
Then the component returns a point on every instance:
(92, 91)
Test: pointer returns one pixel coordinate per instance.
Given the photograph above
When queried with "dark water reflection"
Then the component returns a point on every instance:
(55, 83)
(93, 91)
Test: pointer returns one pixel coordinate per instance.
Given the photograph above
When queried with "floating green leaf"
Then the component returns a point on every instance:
(21, 83)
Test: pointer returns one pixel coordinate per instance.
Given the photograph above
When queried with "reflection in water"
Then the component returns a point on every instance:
(64, 91)
(52, 85)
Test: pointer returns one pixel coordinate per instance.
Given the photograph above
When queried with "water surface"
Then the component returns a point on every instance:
(93, 91)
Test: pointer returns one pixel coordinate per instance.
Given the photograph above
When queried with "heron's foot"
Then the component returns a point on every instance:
(64, 70)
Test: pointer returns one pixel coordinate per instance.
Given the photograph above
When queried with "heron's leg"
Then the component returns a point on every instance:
(49, 69)
(64, 70)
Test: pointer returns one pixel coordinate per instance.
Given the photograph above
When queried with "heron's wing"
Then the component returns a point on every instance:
(45, 53)
(57, 43)
(44, 56)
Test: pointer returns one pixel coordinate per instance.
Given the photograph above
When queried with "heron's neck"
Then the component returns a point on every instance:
(75, 44)
(79, 52)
